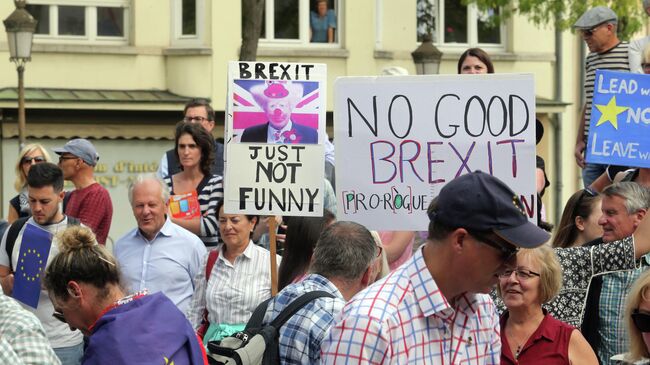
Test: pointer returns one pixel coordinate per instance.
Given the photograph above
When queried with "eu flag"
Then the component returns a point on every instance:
(30, 267)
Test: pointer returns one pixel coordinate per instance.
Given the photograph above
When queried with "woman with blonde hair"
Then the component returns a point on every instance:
(637, 316)
(529, 334)
(84, 283)
(30, 154)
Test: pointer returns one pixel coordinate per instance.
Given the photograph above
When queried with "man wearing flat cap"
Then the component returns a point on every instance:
(89, 202)
(598, 29)
(278, 99)
(434, 308)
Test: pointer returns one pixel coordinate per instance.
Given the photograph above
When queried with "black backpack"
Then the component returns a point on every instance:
(15, 228)
(258, 344)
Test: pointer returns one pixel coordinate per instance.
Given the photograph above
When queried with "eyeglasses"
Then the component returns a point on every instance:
(507, 253)
(63, 158)
(641, 320)
(521, 274)
(194, 119)
(58, 315)
(29, 160)
(379, 251)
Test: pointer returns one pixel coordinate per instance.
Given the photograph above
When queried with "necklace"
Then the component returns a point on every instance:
(517, 352)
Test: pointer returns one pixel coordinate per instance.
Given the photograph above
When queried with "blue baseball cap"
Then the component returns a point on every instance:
(480, 202)
(81, 148)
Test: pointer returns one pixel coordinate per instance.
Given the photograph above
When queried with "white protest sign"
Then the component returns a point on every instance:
(399, 140)
(275, 130)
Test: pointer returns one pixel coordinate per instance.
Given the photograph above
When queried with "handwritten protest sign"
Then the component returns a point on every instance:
(619, 130)
(275, 131)
(399, 140)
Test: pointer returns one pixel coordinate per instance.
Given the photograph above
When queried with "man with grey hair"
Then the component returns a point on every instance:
(342, 265)
(598, 29)
(624, 206)
(158, 255)
(638, 45)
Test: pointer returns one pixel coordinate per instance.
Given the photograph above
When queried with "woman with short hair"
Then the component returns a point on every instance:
(529, 334)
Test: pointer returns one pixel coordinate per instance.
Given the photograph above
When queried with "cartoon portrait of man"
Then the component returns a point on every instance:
(278, 99)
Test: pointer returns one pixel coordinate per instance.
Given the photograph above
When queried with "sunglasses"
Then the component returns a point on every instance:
(641, 321)
(29, 160)
(590, 32)
(58, 315)
(507, 253)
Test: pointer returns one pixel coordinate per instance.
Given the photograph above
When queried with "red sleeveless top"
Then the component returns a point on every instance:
(548, 345)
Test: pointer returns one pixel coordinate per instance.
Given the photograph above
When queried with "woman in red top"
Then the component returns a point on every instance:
(529, 335)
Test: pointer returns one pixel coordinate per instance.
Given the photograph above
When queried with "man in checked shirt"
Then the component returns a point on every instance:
(434, 309)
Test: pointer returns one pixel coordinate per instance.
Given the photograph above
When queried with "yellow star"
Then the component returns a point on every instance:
(610, 112)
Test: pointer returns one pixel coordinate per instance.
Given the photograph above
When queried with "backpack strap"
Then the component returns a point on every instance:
(296, 305)
(258, 315)
(12, 235)
(72, 221)
(66, 199)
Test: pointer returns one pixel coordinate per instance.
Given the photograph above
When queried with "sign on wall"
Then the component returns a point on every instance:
(619, 130)
(399, 140)
(275, 131)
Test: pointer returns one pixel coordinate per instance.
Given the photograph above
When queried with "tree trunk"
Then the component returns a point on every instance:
(252, 12)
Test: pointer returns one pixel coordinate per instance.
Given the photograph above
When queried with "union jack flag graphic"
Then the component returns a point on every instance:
(247, 112)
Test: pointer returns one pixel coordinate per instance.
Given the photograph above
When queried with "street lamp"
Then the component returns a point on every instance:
(20, 27)
(426, 57)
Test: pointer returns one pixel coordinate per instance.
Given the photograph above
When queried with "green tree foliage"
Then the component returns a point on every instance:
(563, 13)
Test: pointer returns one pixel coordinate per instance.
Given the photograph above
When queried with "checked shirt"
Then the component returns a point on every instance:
(22, 338)
(301, 337)
(405, 319)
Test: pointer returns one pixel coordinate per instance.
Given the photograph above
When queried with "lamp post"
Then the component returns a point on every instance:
(426, 57)
(20, 27)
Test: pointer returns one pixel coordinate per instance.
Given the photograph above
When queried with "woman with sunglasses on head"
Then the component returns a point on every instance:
(29, 155)
(83, 282)
(579, 222)
(637, 314)
(529, 334)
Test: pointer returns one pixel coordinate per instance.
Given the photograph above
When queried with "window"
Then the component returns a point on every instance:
(187, 22)
(80, 21)
(453, 24)
(301, 23)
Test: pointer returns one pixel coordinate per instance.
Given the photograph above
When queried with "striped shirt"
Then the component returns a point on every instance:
(405, 319)
(615, 59)
(22, 339)
(210, 193)
(234, 290)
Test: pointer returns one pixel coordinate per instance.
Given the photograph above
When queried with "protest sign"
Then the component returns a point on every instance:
(275, 131)
(399, 140)
(619, 130)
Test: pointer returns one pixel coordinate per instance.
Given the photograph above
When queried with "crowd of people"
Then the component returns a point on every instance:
(487, 286)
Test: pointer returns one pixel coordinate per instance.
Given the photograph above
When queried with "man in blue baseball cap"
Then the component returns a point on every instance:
(435, 306)
(89, 202)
